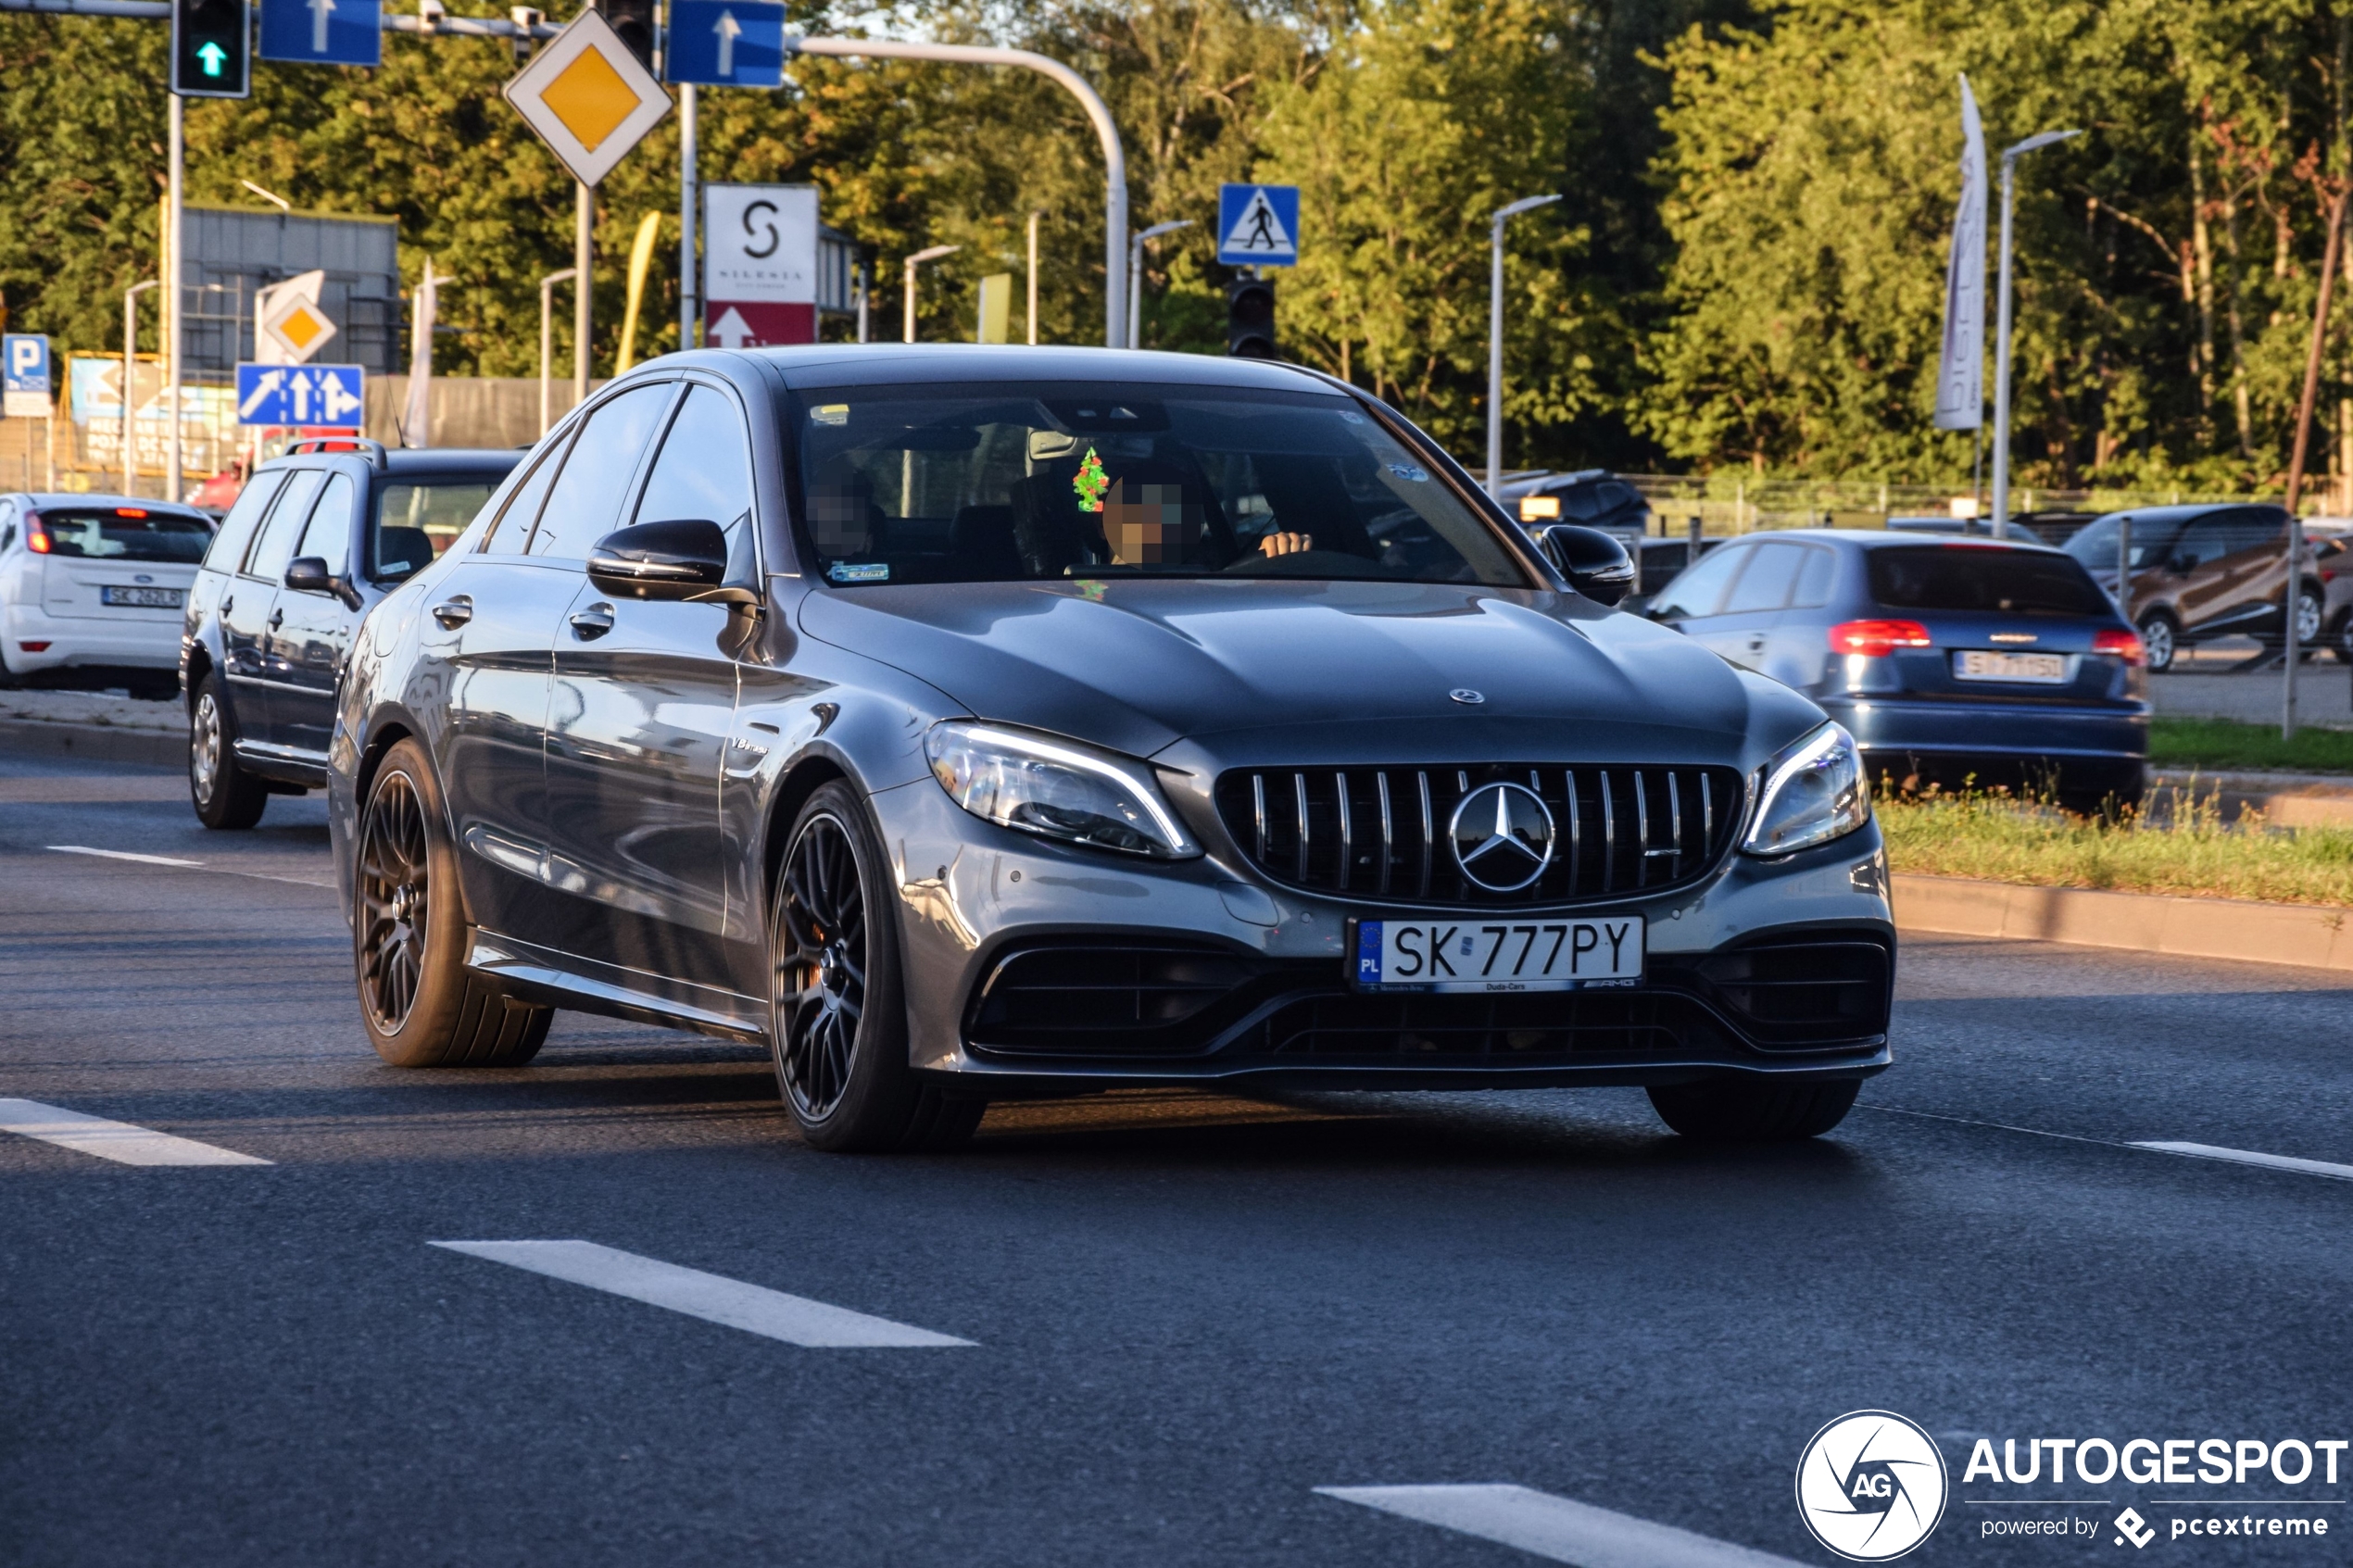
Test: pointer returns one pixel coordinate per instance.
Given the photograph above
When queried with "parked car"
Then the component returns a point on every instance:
(2202, 572)
(966, 725)
(94, 582)
(2333, 564)
(315, 539)
(1951, 662)
(1595, 497)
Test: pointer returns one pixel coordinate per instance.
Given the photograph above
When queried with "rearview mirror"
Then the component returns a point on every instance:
(679, 559)
(1595, 562)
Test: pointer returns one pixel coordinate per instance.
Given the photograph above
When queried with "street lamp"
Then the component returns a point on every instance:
(933, 254)
(2002, 337)
(1135, 275)
(547, 340)
(130, 360)
(1495, 338)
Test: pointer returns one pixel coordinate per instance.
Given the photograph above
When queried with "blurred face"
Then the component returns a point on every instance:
(1148, 524)
(837, 517)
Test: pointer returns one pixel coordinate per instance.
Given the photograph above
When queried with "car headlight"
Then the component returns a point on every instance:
(1056, 789)
(1814, 791)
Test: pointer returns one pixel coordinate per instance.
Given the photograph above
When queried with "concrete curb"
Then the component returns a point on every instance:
(2306, 934)
(99, 743)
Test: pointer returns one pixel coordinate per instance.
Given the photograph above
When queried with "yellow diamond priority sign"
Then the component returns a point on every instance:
(588, 97)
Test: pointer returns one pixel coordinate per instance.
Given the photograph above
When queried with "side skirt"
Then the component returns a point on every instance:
(565, 980)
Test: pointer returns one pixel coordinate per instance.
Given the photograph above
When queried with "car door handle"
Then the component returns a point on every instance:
(592, 623)
(277, 618)
(454, 613)
(228, 604)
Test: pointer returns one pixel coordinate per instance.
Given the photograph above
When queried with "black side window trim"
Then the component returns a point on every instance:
(636, 486)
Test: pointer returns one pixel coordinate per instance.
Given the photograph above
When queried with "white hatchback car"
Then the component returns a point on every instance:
(95, 581)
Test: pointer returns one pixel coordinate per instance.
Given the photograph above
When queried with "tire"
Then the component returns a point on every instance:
(2340, 639)
(2309, 609)
(2160, 638)
(420, 1007)
(837, 1005)
(9, 679)
(1731, 1110)
(226, 796)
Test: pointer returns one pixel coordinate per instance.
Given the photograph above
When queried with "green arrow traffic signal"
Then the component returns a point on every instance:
(211, 48)
(211, 55)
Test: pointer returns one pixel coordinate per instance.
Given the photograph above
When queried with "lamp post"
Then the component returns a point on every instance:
(173, 275)
(1135, 277)
(933, 254)
(129, 364)
(548, 341)
(1034, 217)
(1495, 338)
(2002, 337)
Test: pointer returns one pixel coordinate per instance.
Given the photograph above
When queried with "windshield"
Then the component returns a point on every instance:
(987, 484)
(2095, 543)
(1985, 577)
(418, 518)
(126, 534)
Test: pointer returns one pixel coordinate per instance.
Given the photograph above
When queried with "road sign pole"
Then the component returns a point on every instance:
(172, 282)
(583, 227)
(547, 343)
(1034, 217)
(689, 178)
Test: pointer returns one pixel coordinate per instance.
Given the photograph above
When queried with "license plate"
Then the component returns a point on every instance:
(2033, 669)
(142, 598)
(1500, 954)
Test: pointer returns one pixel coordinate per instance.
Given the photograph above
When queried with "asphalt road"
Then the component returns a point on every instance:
(1185, 1313)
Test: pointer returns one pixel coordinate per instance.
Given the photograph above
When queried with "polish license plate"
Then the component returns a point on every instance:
(1473, 953)
(142, 598)
(2033, 669)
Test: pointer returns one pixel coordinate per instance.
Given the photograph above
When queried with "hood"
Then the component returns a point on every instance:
(1263, 668)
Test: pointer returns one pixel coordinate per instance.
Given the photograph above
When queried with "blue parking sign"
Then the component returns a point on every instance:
(25, 387)
(323, 32)
(726, 43)
(1258, 225)
(302, 396)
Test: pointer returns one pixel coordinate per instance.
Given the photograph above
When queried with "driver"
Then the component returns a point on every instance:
(1148, 521)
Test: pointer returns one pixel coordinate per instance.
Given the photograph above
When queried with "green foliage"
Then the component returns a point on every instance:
(2221, 745)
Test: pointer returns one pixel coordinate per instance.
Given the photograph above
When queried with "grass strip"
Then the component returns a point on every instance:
(2220, 745)
(2186, 850)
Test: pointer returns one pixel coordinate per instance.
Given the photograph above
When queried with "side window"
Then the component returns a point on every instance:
(1814, 579)
(329, 533)
(1697, 591)
(1772, 572)
(585, 504)
(2253, 528)
(275, 547)
(513, 528)
(236, 529)
(704, 472)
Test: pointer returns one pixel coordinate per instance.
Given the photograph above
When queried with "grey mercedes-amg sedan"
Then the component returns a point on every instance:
(965, 723)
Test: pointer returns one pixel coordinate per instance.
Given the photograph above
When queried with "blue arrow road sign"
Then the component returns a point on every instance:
(323, 32)
(1258, 225)
(24, 375)
(726, 43)
(311, 396)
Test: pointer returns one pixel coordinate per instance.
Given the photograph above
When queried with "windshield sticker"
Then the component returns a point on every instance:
(859, 572)
(830, 414)
(1409, 473)
(1091, 591)
(1090, 483)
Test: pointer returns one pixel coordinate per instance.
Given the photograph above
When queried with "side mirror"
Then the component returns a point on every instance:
(308, 574)
(1596, 563)
(682, 560)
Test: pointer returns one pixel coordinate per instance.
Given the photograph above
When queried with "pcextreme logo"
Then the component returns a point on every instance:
(1871, 1486)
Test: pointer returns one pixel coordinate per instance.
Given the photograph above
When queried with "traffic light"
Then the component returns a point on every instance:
(633, 20)
(1249, 319)
(211, 49)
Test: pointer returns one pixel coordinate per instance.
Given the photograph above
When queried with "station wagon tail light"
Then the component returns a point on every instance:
(2125, 644)
(1877, 639)
(36, 538)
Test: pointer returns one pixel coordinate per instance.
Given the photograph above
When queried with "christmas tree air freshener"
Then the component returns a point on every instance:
(1090, 484)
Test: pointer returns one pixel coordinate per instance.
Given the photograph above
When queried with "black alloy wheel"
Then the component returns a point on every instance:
(837, 1007)
(821, 967)
(394, 876)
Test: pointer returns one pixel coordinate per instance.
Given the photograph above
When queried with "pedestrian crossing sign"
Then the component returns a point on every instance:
(1258, 225)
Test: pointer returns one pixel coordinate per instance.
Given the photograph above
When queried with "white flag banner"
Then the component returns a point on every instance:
(1960, 377)
(422, 308)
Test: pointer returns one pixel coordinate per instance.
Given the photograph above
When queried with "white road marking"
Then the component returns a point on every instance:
(117, 1141)
(714, 1297)
(1556, 1528)
(2247, 1157)
(124, 855)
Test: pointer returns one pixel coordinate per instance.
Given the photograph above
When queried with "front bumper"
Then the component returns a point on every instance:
(1041, 969)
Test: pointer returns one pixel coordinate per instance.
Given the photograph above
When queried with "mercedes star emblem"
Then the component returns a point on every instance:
(1503, 835)
(1464, 693)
